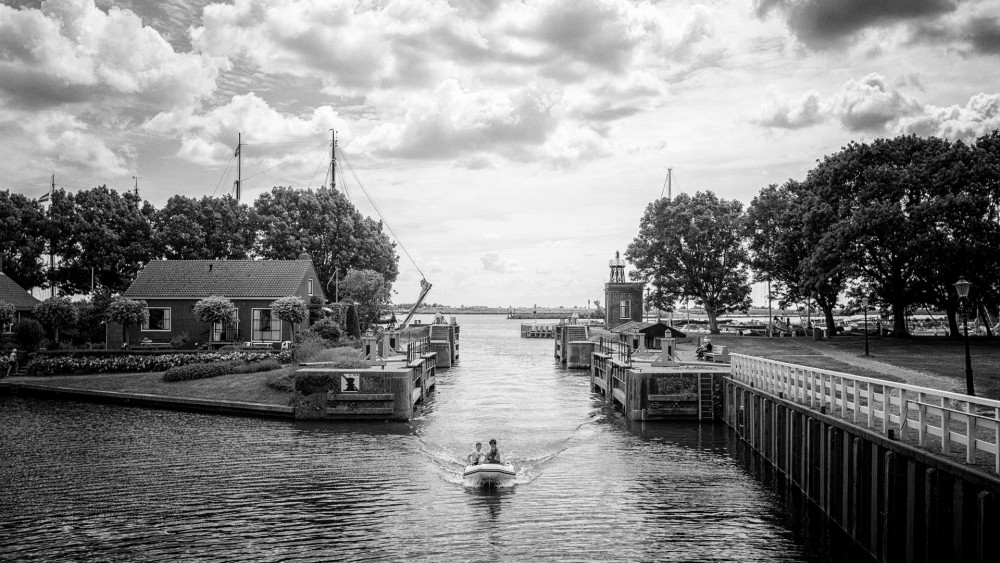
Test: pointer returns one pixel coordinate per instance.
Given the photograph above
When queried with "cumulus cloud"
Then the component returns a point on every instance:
(793, 114)
(69, 51)
(825, 23)
(492, 262)
(56, 139)
(979, 116)
(871, 104)
(209, 138)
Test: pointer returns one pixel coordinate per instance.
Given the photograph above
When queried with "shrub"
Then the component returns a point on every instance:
(283, 381)
(180, 341)
(327, 329)
(307, 346)
(29, 333)
(202, 371)
(119, 363)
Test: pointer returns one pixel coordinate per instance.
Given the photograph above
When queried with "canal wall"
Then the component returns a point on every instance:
(907, 473)
(386, 392)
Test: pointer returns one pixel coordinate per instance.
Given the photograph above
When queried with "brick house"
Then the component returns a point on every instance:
(23, 302)
(171, 288)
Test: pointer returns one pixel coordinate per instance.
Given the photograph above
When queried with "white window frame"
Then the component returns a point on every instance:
(310, 286)
(625, 312)
(257, 334)
(167, 320)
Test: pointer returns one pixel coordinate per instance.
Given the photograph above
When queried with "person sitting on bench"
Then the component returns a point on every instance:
(706, 347)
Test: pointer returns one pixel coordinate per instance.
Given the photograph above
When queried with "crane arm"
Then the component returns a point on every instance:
(425, 287)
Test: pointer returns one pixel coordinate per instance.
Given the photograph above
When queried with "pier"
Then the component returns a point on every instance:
(533, 330)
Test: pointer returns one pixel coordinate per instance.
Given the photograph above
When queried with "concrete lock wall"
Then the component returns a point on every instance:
(378, 392)
(894, 501)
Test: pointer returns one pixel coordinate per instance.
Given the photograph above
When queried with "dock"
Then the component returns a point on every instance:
(534, 330)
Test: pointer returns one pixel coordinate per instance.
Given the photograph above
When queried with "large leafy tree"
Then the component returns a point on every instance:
(785, 227)
(692, 246)
(103, 232)
(327, 226)
(22, 239)
(205, 229)
(371, 293)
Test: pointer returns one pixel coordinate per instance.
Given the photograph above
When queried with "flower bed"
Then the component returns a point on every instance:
(64, 365)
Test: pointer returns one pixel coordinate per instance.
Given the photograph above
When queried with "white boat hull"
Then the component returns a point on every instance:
(489, 473)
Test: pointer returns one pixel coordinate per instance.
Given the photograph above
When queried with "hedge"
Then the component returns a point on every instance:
(66, 365)
(202, 371)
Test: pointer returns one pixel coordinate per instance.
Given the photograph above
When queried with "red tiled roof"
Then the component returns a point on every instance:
(230, 278)
(16, 295)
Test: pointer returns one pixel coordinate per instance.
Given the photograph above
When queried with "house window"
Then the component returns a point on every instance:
(159, 319)
(226, 332)
(266, 327)
(7, 328)
(626, 309)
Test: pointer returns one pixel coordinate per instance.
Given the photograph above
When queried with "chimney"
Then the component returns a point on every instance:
(305, 256)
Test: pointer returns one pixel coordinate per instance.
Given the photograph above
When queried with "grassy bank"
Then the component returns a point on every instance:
(248, 388)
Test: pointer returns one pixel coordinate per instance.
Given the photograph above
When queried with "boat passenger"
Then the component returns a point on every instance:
(493, 456)
(707, 347)
(477, 456)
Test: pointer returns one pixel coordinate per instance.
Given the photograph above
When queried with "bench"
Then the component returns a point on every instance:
(258, 345)
(718, 354)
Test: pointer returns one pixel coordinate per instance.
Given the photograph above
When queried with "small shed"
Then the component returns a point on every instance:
(652, 332)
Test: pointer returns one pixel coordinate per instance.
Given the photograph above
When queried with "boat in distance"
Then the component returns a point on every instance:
(489, 473)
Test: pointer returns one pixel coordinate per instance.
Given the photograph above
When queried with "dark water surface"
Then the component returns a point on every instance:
(97, 482)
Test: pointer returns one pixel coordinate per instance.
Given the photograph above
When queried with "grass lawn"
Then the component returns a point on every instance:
(938, 355)
(243, 387)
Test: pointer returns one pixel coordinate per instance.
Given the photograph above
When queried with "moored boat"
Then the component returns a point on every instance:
(489, 473)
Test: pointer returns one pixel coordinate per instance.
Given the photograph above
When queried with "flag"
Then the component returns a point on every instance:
(44, 198)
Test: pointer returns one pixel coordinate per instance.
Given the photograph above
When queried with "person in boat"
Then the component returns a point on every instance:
(493, 456)
(477, 456)
(706, 347)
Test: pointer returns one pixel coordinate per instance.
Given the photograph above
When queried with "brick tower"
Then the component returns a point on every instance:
(622, 299)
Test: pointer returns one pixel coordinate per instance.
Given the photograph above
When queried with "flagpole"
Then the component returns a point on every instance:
(52, 286)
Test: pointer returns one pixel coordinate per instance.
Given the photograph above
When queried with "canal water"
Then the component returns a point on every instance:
(97, 482)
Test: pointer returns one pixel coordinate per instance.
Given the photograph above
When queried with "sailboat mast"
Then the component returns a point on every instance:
(239, 163)
(333, 159)
(670, 183)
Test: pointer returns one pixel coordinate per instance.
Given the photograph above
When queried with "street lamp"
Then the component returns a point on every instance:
(864, 303)
(962, 287)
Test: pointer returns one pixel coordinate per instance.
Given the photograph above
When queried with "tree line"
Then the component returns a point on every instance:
(102, 238)
(894, 221)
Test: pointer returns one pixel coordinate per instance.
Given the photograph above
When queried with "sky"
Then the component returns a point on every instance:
(512, 147)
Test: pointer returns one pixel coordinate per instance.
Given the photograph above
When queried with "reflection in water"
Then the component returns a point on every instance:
(84, 481)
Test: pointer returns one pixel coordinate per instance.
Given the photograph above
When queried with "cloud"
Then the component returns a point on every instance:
(492, 262)
(979, 116)
(871, 104)
(209, 138)
(784, 114)
(69, 51)
(58, 140)
(827, 23)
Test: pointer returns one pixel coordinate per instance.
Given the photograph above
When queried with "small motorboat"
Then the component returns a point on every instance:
(489, 473)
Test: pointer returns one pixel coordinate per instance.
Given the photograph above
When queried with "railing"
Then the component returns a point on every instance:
(618, 349)
(417, 348)
(939, 418)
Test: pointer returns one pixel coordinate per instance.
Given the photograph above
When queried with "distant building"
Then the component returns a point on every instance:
(623, 300)
(23, 302)
(171, 288)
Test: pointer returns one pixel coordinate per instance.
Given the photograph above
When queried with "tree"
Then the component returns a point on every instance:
(56, 313)
(207, 229)
(351, 324)
(126, 312)
(327, 226)
(215, 309)
(22, 239)
(291, 309)
(100, 232)
(693, 246)
(370, 291)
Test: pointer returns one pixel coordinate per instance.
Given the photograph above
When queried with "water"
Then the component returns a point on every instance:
(98, 482)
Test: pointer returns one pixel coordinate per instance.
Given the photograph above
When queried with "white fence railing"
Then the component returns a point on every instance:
(939, 418)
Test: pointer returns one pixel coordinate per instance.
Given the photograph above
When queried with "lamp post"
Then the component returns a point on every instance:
(962, 287)
(864, 303)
